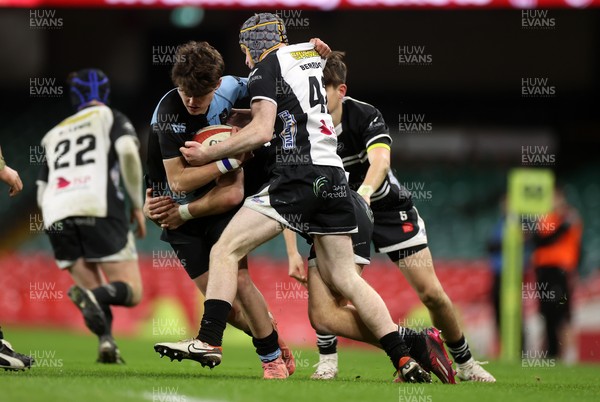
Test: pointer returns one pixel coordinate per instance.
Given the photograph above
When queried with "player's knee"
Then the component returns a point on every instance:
(221, 251)
(346, 286)
(318, 320)
(136, 294)
(234, 198)
(244, 282)
(433, 297)
(217, 252)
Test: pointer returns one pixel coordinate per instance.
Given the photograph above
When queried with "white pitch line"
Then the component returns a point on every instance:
(175, 398)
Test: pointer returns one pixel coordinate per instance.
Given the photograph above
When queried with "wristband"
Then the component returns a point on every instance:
(227, 165)
(184, 212)
(365, 190)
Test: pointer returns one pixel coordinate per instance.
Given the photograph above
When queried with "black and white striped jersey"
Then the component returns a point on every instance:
(82, 166)
(363, 127)
(292, 78)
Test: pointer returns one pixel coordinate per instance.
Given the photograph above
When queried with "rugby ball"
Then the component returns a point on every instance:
(212, 135)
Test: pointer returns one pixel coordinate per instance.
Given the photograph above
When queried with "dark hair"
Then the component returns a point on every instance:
(335, 69)
(198, 68)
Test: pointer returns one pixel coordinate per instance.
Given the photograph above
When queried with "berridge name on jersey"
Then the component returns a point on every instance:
(292, 78)
(76, 154)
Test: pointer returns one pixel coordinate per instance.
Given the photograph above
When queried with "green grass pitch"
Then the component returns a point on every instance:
(67, 372)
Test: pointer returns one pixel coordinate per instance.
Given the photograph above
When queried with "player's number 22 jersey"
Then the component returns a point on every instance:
(82, 171)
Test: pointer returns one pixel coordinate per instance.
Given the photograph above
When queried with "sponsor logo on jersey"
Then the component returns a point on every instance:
(61, 182)
(326, 129)
(223, 116)
(252, 77)
(304, 54)
(288, 134)
(178, 128)
(375, 124)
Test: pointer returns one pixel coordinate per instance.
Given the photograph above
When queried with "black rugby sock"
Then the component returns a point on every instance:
(394, 346)
(109, 318)
(267, 348)
(115, 293)
(409, 336)
(214, 321)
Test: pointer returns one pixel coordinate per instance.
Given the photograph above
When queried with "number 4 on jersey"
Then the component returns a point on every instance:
(316, 96)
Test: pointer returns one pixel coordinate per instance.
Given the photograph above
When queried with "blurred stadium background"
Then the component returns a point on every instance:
(464, 92)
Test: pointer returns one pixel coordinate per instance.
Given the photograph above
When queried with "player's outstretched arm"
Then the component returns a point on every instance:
(379, 160)
(258, 132)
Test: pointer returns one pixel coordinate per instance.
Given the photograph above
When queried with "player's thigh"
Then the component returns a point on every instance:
(419, 272)
(247, 230)
(335, 258)
(85, 274)
(123, 271)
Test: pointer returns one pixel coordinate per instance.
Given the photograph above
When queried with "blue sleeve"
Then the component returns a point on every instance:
(229, 92)
(234, 88)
